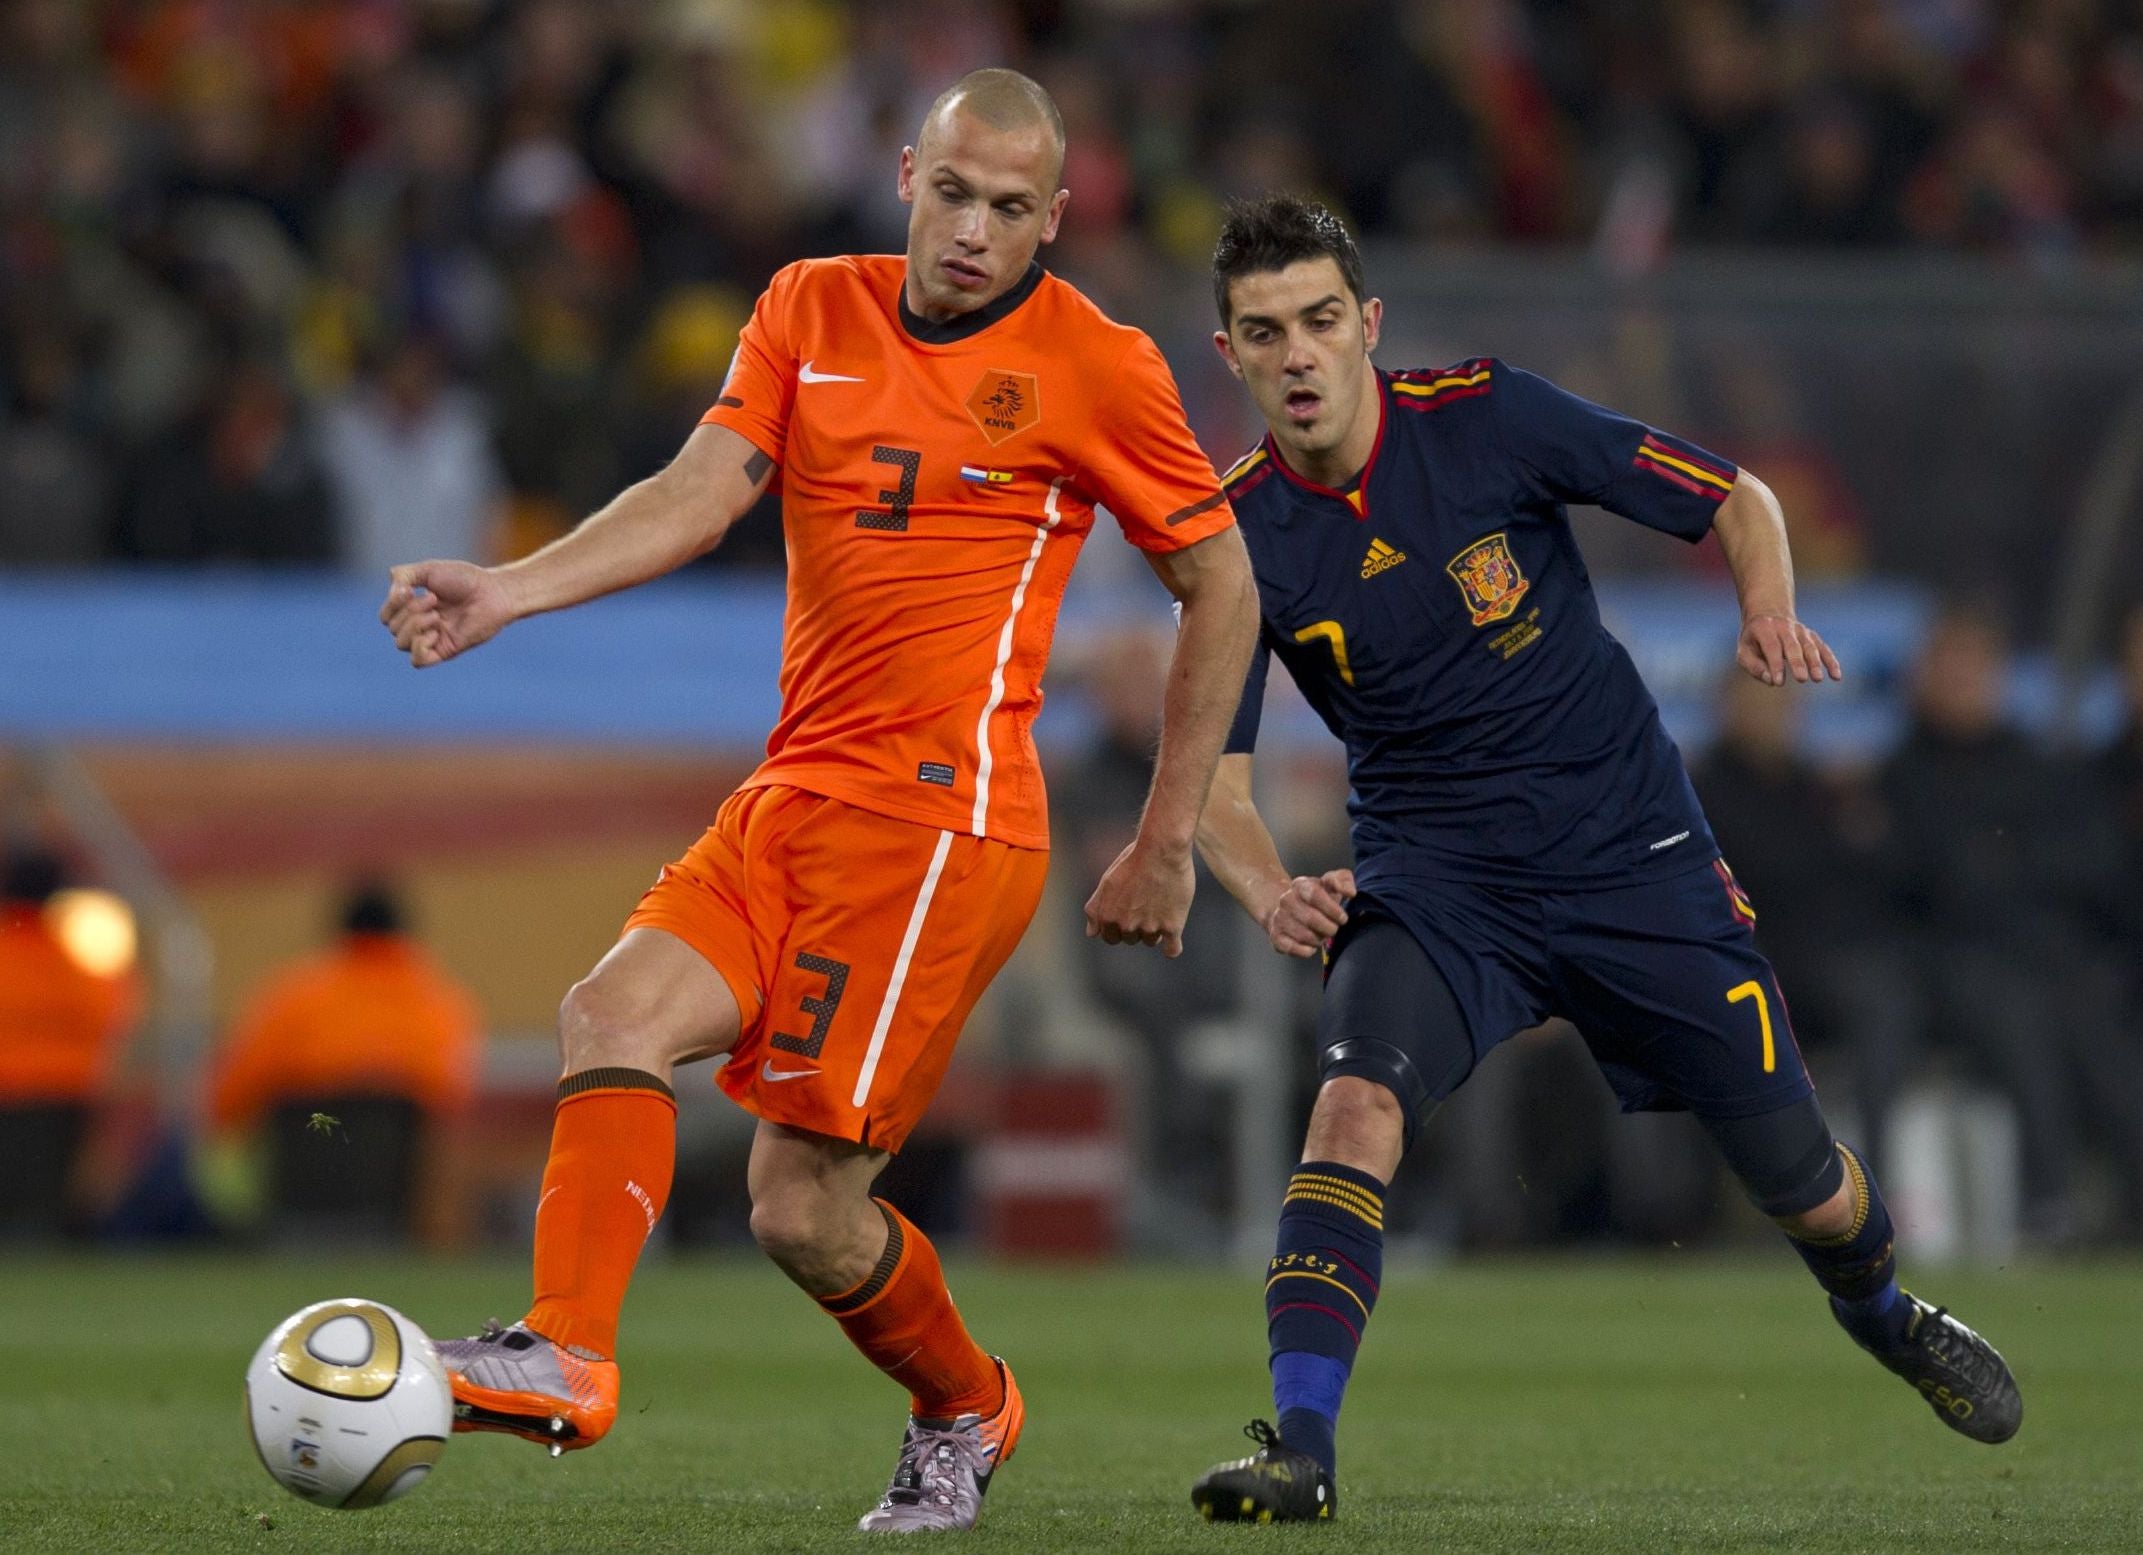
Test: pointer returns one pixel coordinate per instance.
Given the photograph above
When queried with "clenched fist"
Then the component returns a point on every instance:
(1309, 912)
(437, 610)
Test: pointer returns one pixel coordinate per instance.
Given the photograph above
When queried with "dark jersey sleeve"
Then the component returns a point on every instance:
(1575, 451)
(1243, 733)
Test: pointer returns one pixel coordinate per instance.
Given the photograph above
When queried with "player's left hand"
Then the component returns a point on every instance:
(1773, 647)
(1304, 917)
(1143, 898)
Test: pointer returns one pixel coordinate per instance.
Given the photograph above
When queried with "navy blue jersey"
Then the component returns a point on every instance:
(1440, 620)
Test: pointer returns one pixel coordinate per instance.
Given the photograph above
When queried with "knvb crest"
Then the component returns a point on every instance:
(1004, 404)
(1488, 576)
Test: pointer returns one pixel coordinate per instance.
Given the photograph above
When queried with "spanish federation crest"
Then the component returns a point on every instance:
(1488, 575)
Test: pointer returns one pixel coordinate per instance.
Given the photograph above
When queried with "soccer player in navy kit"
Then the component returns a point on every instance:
(1526, 842)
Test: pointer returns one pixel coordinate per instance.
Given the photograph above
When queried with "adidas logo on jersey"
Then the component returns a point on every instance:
(1381, 558)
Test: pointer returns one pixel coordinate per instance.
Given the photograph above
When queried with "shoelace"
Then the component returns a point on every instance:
(930, 1465)
(1261, 1432)
(1951, 1343)
(496, 1332)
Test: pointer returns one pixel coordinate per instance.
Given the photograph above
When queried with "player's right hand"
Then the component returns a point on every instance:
(1143, 898)
(1775, 646)
(1309, 912)
(439, 609)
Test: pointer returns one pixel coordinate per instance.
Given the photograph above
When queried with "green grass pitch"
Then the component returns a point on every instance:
(1660, 1406)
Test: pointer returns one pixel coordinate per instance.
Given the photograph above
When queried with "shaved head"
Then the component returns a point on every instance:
(982, 184)
(1002, 99)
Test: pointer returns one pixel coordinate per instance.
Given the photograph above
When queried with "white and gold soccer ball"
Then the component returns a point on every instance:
(347, 1404)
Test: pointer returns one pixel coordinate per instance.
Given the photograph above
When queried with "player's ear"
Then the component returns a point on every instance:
(1372, 322)
(1057, 202)
(906, 186)
(1226, 348)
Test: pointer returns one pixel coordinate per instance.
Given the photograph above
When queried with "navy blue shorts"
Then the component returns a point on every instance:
(1663, 980)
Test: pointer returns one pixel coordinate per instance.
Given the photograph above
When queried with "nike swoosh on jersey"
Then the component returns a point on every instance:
(807, 374)
(767, 1071)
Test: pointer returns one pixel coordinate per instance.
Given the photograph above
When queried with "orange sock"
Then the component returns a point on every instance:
(903, 1320)
(613, 1149)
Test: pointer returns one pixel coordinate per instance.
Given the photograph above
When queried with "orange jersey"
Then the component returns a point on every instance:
(59, 1024)
(372, 1015)
(937, 482)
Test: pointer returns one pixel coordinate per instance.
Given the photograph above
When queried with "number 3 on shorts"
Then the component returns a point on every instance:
(820, 1007)
(1755, 990)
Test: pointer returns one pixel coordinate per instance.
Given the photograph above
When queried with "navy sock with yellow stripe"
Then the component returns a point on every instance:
(1857, 1267)
(1319, 1292)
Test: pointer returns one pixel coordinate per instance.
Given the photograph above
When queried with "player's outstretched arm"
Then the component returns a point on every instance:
(1774, 644)
(438, 609)
(1297, 913)
(1146, 894)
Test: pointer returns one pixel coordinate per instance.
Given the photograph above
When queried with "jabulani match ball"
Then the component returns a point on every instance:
(347, 1404)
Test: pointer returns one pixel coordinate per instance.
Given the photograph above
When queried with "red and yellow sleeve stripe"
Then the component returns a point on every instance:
(1692, 472)
(1246, 472)
(1427, 390)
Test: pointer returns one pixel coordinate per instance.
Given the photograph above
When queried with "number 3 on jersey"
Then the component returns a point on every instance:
(910, 463)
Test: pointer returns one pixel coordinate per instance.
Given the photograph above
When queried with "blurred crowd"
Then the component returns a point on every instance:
(1965, 914)
(346, 281)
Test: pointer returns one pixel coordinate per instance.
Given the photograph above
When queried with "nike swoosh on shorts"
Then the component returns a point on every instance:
(767, 1071)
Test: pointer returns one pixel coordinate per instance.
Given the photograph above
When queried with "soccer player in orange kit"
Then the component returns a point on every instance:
(944, 426)
(372, 1015)
(62, 1027)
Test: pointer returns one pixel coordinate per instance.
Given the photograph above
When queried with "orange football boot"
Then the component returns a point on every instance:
(515, 1380)
(1000, 1433)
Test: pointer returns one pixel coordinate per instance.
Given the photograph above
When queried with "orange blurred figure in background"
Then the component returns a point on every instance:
(347, 1058)
(61, 1024)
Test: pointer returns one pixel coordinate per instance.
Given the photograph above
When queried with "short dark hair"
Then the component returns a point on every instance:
(1274, 231)
(30, 875)
(371, 907)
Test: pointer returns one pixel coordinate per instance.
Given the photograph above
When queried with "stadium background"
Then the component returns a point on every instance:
(292, 290)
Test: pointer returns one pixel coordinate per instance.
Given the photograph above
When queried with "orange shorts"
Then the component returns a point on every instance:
(855, 944)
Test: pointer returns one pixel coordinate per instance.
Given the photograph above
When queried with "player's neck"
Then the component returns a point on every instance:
(929, 321)
(924, 309)
(1339, 465)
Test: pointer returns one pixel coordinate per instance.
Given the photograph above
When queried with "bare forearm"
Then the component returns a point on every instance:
(648, 529)
(1205, 682)
(1752, 534)
(1774, 644)
(634, 537)
(1299, 914)
(1235, 844)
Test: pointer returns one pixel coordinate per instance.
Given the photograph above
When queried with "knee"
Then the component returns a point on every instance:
(1352, 1103)
(1359, 1123)
(1791, 1167)
(1833, 1217)
(598, 1027)
(795, 1225)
